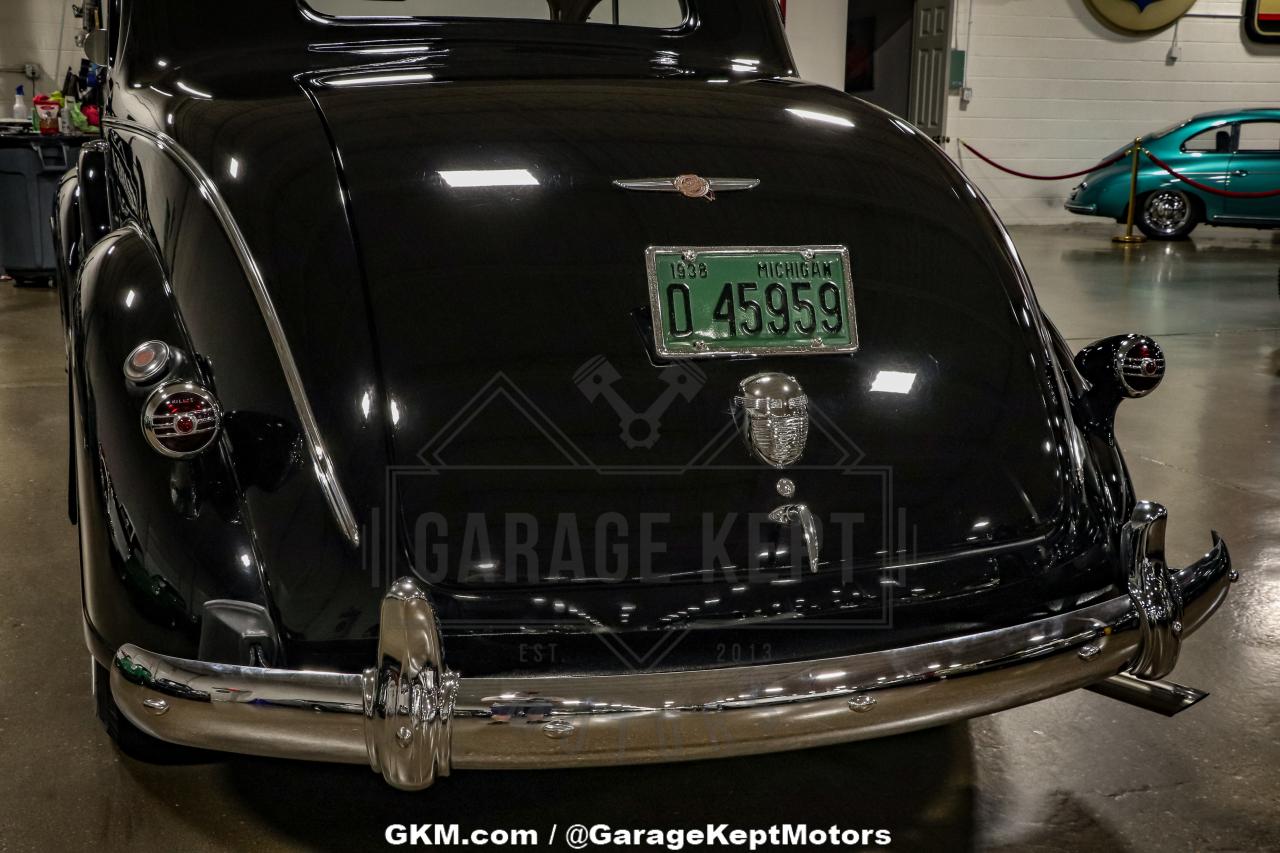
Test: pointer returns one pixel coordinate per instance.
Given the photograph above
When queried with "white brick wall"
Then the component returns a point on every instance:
(816, 30)
(1055, 90)
(36, 31)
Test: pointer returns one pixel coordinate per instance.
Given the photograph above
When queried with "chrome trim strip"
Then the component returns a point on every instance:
(598, 720)
(372, 20)
(320, 462)
(931, 559)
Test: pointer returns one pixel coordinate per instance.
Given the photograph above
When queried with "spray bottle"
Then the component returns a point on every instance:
(20, 110)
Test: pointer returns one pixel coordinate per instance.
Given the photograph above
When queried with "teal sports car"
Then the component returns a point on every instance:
(1233, 150)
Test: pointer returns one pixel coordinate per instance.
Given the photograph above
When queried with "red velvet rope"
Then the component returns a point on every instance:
(984, 158)
(1205, 187)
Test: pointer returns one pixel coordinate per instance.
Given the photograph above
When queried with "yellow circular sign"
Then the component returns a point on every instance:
(1140, 15)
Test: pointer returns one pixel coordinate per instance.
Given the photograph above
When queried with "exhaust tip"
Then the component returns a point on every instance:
(1162, 697)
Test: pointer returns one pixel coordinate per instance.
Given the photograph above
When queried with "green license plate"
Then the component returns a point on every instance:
(775, 300)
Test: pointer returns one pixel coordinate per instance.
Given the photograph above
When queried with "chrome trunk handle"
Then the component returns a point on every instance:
(790, 514)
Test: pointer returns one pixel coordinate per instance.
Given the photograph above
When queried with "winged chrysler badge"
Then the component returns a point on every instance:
(689, 185)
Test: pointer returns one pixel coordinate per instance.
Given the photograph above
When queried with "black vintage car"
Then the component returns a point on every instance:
(573, 387)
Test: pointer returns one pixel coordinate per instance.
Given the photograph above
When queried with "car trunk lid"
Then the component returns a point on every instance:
(538, 438)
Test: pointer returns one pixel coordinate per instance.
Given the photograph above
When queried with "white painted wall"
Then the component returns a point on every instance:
(36, 31)
(817, 30)
(1055, 90)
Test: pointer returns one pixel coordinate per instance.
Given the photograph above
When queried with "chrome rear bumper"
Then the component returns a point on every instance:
(413, 719)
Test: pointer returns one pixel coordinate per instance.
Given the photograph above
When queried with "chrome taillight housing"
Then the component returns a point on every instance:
(1139, 365)
(181, 419)
(1119, 367)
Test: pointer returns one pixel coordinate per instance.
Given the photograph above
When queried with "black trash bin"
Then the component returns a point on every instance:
(30, 168)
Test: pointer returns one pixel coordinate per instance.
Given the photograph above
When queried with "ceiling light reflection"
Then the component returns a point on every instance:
(826, 118)
(193, 91)
(893, 382)
(489, 178)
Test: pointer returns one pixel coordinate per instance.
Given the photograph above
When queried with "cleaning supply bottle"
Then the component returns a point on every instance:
(20, 110)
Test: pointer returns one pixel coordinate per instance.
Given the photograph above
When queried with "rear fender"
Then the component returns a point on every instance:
(159, 537)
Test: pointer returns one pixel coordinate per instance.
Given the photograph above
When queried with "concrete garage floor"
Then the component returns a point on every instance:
(1073, 773)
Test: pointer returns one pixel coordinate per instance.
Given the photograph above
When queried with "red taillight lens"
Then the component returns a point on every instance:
(148, 362)
(181, 419)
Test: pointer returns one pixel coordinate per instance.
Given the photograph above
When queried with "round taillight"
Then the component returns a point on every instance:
(148, 362)
(1139, 365)
(181, 419)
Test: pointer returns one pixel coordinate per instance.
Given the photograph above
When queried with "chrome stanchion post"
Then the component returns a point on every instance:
(1128, 238)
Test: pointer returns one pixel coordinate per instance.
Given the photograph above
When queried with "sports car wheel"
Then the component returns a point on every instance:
(1167, 214)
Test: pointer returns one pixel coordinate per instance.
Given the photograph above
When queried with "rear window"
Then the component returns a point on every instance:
(659, 14)
(1215, 140)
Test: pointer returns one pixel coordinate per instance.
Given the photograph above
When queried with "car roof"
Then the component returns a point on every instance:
(1240, 112)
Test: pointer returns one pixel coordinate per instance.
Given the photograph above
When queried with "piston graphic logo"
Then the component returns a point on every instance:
(599, 379)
